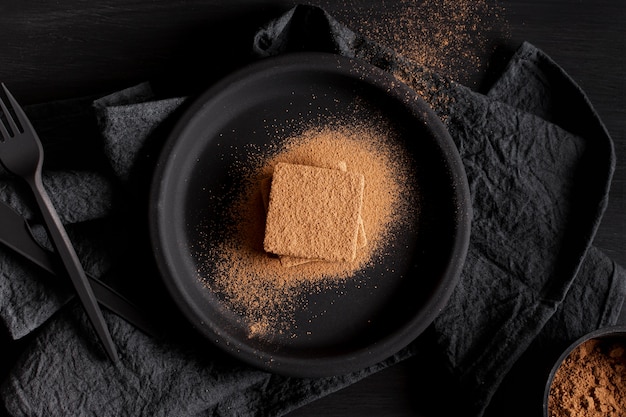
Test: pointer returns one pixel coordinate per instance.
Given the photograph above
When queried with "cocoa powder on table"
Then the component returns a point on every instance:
(591, 382)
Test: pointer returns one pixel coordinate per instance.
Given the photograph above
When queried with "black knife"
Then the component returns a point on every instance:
(15, 233)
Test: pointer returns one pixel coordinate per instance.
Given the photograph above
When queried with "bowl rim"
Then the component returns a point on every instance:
(602, 333)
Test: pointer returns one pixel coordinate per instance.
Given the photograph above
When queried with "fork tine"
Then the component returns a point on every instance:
(16, 108)
(4, 133)
(3, 130)
(21, 116)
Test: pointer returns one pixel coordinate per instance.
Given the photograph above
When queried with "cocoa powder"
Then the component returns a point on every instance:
(450, 37)
(591, 382)
(254, 284)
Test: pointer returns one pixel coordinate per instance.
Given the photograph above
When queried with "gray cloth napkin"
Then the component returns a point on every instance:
(539, 165)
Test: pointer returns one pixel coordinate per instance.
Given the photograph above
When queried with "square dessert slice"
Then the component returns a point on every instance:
(313, 212)
(290, 261)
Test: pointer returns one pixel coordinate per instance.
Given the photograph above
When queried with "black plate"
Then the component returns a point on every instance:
(363, 326)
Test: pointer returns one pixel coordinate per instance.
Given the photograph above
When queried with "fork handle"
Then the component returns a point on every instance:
(72, 265)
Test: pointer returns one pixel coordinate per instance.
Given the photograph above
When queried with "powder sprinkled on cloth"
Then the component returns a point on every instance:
(449, 37)
(252, 282)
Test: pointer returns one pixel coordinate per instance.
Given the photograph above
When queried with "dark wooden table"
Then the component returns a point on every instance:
(69, 48)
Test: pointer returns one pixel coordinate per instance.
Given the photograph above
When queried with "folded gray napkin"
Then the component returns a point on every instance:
(539, 165)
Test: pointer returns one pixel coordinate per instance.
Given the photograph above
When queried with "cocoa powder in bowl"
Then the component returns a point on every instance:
(589, 380)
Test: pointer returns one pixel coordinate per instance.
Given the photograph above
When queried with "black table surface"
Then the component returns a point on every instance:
(69, 48)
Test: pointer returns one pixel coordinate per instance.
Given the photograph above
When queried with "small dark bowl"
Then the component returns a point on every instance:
(613, 332)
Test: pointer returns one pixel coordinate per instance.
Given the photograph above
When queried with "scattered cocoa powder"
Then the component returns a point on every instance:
(591, 382)
(255, 285)
(450, 37)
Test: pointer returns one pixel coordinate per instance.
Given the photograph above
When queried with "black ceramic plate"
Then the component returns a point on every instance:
(358, 327)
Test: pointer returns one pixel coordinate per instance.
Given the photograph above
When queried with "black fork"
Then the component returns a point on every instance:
(22, 155)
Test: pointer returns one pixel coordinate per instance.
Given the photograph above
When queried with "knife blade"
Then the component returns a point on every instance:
(15, 233)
